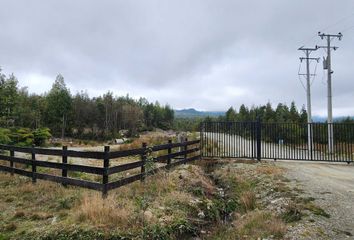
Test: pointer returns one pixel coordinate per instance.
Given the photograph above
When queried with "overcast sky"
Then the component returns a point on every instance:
(203, 54)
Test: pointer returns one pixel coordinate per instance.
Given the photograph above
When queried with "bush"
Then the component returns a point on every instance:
(5, 136)
(24, 136)
(41, 135)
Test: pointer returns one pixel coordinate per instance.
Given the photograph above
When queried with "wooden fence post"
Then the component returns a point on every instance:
(12, 154)
(169, 150)
(64, 172)
(143, 159)
(105, 171)
(185, 149)
(34, 167)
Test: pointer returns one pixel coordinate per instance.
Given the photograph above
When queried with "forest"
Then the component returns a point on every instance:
(62, 114)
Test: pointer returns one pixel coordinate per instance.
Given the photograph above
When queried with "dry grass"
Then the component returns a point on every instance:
(104, 212)
(259, 224)
(248, 201)
(253, 225)
(269, 169)
(150, 138)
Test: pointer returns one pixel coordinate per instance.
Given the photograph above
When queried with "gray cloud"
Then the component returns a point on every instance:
(203, 53)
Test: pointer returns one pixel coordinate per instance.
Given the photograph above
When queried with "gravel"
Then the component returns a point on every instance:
(332, 186)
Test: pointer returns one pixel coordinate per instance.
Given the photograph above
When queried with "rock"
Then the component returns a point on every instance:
(54, 220)
(120, 140)
(148, 215)
(201, 214)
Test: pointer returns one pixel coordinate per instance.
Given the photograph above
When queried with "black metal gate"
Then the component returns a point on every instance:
(288, 141)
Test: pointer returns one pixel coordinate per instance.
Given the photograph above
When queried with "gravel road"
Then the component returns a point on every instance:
(332, 185)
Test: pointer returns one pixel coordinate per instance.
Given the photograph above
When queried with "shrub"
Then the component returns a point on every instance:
(22, 136)
(41, 135)
(5, 136)
(292, 213)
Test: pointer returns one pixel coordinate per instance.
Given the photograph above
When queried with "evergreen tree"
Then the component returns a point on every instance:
(59, 105)
(230, 115)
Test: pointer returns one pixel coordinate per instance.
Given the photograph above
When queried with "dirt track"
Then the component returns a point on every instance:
(332, 185)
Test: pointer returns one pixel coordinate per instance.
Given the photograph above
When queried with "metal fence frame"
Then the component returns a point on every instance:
(278, 141)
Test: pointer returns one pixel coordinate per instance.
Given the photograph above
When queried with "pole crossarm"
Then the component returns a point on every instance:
(307, 49)
(305, 74)
(310, 58)
(326, 47)
(323, 35)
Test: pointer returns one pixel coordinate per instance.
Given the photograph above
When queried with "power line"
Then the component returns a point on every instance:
(306, 41)
(337, 22)
(328, 67)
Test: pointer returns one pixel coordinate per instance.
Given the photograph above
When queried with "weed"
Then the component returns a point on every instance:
(253, 225)
(10, 227)
(66, 202)
(40, 216)
(197, 191)
(292, 213)
(3, 237)
(306, 200)
(316, 210)
(230, 206)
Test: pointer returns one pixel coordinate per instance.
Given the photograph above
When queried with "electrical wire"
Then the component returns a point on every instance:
(339, 21)
(298, 73)
(347, 29)
(332, 25)
(314, 74)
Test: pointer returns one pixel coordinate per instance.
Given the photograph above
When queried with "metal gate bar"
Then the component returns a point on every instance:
(256, 140)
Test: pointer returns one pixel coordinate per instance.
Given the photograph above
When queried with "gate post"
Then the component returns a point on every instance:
(258, 138)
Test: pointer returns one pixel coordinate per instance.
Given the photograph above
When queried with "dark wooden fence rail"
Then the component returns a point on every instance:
(146, 153)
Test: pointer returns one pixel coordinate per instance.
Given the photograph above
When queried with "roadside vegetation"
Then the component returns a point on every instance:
(215, 199)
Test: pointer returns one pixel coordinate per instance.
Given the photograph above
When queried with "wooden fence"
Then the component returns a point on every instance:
(187, 151)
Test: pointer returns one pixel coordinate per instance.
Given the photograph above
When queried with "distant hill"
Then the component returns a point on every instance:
(324, 119)
(191, 113)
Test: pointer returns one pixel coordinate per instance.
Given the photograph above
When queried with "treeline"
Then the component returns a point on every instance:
(266, 113)
(78, 115)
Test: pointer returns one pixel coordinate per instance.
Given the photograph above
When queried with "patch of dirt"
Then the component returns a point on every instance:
(331, 187)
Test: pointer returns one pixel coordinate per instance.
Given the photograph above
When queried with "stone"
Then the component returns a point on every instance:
(148, 215)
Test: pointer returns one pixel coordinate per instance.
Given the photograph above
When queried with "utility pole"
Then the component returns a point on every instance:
(327, 65)
(307, 52)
